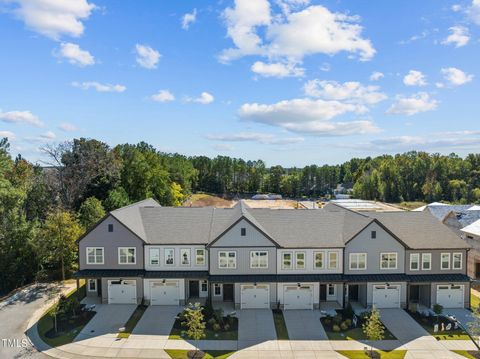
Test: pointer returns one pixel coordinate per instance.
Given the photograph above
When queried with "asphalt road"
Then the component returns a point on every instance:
(15, 313)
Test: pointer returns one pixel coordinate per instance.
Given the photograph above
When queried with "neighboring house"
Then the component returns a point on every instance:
(263, 258)
(461, 219)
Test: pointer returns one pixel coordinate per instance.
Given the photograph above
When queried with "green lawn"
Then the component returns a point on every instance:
(428, 323)
(67, 330)
(468, 353)
(351, 333)
(210, 334)
(360, 354)
(474, 301)
(132, 321)
(209, 354)
(280, 326)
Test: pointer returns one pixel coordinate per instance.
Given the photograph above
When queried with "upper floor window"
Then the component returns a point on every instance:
(243, 232)
(200, 257)
(426, 261)
(287, 260)
(445, 261)
(373, 234)
(318, 260)
(185, 256)
(300, 260)
(126, 255)
(169, 256)
(258, 259)
(94, 255)
(414, 261)
(227, 259)
(457, 261)
(154, 256)
(388, 260)
(358, 261)
(110, 227)
(332, 260)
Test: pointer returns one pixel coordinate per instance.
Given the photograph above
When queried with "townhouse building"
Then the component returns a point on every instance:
(264, 258)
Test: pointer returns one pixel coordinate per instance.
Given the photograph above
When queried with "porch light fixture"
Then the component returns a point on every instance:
(298, 285)
(255, 284)
(163, 281)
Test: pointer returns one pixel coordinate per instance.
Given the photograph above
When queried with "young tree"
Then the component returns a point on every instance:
(473, 326)
(57, 239)
(91, 211)
(373, 328)
(193, 321)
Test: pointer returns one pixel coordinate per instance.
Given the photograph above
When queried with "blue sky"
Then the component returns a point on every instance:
(293, 82)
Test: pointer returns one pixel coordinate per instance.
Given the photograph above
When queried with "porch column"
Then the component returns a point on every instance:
(78, 283)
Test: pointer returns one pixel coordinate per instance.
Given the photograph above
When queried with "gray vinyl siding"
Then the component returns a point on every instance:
(110, 241)
(105, 289)
(383, 243)
(253, 237)
(243, 261)
(436, 254)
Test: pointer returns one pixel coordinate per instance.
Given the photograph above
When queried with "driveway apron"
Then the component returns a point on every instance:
(304, 325)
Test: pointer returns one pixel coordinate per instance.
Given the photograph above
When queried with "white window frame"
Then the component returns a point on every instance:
(95, 255)
(417, 255)
(388, 254)
(255, 257)
(357, 255)
(453, 260)
(150, 250)
(88, 285)
(315, 260)
(329, 286)
(227, 256)
(217, 285)
(449, 258)
(165, 257)
(304, 260)
(200, 255)
(182, 251)
(291, 261)
(330, 260)
(429, 256)
(127, 249)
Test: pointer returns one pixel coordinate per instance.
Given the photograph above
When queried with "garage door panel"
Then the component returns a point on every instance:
(254, 297)
(295, 297)
(122, 292)
(450, 296)
(164, 293)
(386, 296)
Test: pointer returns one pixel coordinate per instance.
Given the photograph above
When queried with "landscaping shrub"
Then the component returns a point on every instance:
(348, 313)
(344, 326)
(212, 322)
(328, 321)
(337, 319)
(348, 322)
(226, 327)
(216, 327)
(335, 328)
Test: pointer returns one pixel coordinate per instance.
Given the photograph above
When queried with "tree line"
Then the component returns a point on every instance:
(45, 208)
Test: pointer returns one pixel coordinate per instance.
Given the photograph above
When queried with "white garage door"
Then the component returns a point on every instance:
(254, 297)
(164, 293)
(386, 296)
(122, 292)
(295, 297)
(450, 296)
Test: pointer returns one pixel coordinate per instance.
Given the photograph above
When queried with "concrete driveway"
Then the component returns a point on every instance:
(157, 320)
(107, 321)
(304, 325)
(463, 315)
(255, 325)
(402, 325)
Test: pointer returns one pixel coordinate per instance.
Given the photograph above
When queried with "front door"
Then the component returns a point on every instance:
(414, 293)
(353, 293)
(323, 292)
(99, 287)
(228, 292)
(193, 289)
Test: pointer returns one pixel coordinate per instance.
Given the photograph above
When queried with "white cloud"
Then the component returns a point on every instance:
(99, 87)
(474, 11)
(54, 18)
(419, 102)
(75, 55)
(289, 37)
(189, 19)
(163, 96)
(307, 116)
(147, 56)
(415, 78)
(7, 134)
(263, 138)
(67, 127)
(21, 117)
(325, 67)
(205, 98)
(456, 7)
(414, 38)
(456, 77)
(376, 75)
(351, 92)
(459, 36)
(49, 135)
(277, 69)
